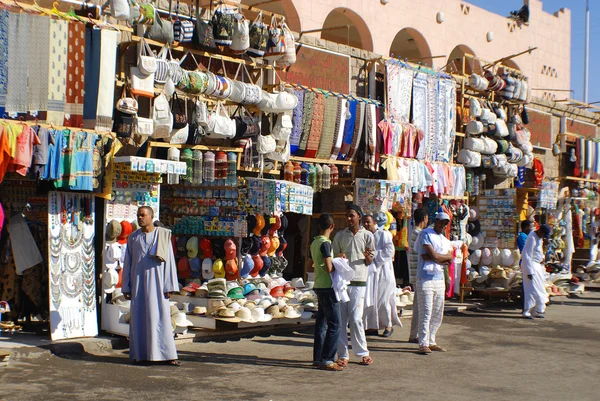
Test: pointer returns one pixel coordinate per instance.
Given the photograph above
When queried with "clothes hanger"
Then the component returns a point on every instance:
(72, 14)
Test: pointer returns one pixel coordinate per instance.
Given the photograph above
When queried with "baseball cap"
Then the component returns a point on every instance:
(442, 216)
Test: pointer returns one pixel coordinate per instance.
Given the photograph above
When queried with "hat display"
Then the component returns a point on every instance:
(199, 310)
(110, 278)
(217, 288)
(266, 265)
(249, 288)
(219, 269)
(259, 315)
(207, 269)
(258, 265)
(266, 243)
(475, 257)
(230, 249)
(195, 267)
(183, 268)
(486, 257)
(206, 247)
(126, 230)
(226, 315)
(498, 273)
(181, 246)
(496, 257)
(297, 283)
(474, 228)
(192, 247)
(113, 230)
(247, 266)
(202, 292)
(231, 269)
(275, 225)
(273, 246)
(260, 224)
(484, 271)
(236, 293)
(245, 315)
(246, 246)
(277, 291)
(477, 242)
(112, 255)
(507, 257)
(275, 311)
(292, 313)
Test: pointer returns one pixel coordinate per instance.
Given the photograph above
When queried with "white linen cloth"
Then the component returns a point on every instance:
(340, 277)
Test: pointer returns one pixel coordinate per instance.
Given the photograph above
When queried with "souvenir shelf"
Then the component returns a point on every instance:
(226, 149)
(148, 165)
(498, 217)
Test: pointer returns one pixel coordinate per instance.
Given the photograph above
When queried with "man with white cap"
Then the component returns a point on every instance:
(435, 251)
(533, 272)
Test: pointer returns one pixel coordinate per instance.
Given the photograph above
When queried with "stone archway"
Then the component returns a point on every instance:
(344, 26)
(409, 44)
(282, 7)
(455, 61)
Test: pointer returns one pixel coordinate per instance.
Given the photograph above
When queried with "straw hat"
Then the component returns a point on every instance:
(507, 257)
(113, 230)
(477, 242)
(245, 315)
(260, 316)
(486, 257)
(475, 257)
(110, 278)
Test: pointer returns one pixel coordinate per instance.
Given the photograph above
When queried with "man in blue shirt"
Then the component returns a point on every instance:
(526, 227)
(435, 251)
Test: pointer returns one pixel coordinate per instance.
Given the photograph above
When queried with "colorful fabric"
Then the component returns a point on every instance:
(399, 90)
(419, 109)
(85, 142)
(328, 130)
(67, 164)
(297, 122)
(59, 31)
(358, 130)
(338, 134)
(3, 58)
(371, 139)
(348, 129)
(75, 75)
(307, 115)
(316, 127)
(18, 42)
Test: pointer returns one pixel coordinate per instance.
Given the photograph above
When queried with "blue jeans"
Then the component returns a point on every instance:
(327, 327)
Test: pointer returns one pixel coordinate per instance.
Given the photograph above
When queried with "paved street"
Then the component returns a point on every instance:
(493, 355)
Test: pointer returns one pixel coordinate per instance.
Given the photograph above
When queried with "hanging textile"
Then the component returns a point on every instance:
(371, 138)
(24, 248)
(59, 31)
(106, 89)
(431, 132)
(446, 120)
(39, 69)
(75, 75)
(92, 74)
(307, 115)
(358, 130)
(316, 127)
(297, 122)
(348, 129)
(338, 133)
(419, 109)
(328, 130)
(18, 41)
(3, 58)
(399, 91)
(71, 266)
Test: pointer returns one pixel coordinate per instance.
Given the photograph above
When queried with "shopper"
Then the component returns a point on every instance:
(535, 295)
(420, 220)
(435, 251)
(327, 325)
(526, 228)
(383, 313)
(357, 245)
(149, 280)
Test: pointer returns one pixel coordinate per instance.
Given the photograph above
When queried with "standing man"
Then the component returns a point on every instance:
(357, 245)
(533, 272)
(526, 227)
(383, 313)
(420, 220)
(327, 325)
(435, 252)
(149, 282)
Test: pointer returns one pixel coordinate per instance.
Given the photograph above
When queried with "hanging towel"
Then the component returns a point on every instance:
(18, 41)
(59, 31)
(338, 134)
(348, 130)
(3, 59)
(399, 91)
(297, 122)
(39, 66)
(358, 130)
(328, 130)
(92, 74)
(75, 75)
(106, 87)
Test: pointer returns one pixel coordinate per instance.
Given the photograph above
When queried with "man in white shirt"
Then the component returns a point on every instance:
(533, 272)
(435, 251)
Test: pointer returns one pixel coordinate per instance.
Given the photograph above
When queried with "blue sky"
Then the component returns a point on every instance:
(577, 8)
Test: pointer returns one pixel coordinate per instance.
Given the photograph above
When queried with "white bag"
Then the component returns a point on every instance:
(490, 146)
(289, 57)
(240, 39)
(474, 127)
(220, 125)
(200, 115)
(281, 153)
(162, 117)
(146, 62)
(179, 136)
(487, 116)
(474, 107)
(142, 84)
(474, 144)
(283, 127)
(119, 9)
(265, 144)
(501, 128)
(144, 126)
(469, 158)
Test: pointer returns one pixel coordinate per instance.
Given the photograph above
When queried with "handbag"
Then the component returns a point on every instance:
(179, 110)
(162, 66)
(223, 24)
(283, 127)
(474, 108)
(127, 105)
(175, 68)
(147, 13)
(289, 56)
(469, 158)
(200, 115)
(219, 123)
(247, 125)
(123, 124)
(281, 153)
(183, 29)
(474, 144)
(474, 127)
(252, 94)
(259, 36)
(203, 32)
(146, 62)
(179, 136)
(144, 126)
(501, 128)
(161, 30)
(276, 44)
(141, 84)
(162, 117)
(240, 36)
(265, 144)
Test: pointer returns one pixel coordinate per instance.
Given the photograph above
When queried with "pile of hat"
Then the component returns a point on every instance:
(205, 259)
(474, 236)
(117, 234)
(404, 297)
(494, 268)
(262, 250)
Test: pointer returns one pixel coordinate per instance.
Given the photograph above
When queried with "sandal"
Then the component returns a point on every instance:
(174, 362)
(332, 366)
(366, 360)
(425, 350)
(342, 362)
(436, 347)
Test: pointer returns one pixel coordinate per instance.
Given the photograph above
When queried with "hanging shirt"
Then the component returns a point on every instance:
(5, 155)
(55, 146)
(84, 155)
(24, 149)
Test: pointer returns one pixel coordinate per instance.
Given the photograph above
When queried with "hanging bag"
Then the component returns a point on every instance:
(146, 62)
(179, 110)
(200, 115)
(123, 124)
(141, 84)
(179, 136)
(203, 32)
(283, 127)
(162, 66)
(161, 30)
(146, 12)
(127, 105)
(265, 144)
(289, 57)
(144, 126)
(219, 124)
(276, 44)
(119, 9)
(240, 37)
(175, 68)
(223, 24)
(183, 29)
(162, 117)
(259, 37)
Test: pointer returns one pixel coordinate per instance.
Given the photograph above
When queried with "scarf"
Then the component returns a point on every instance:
(18, 41)
(358, 130)
(419, 109)
(371, 139)
(338, 132)
(39, 68)
(348, 129)
(297, 122)
(75, 75)
(3, 58)
(92, 73)
(59, 31)
(328, 131)
(399, 90)
(316, 127)
(433, 117)
(106, 87)
(307, 115)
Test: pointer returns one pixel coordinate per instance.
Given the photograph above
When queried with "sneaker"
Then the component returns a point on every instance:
(527, 315)
(437, 348)
(387, 333)
(540, 316)
(425, 350)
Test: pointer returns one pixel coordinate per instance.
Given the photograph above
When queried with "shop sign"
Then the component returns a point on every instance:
(318, 68)
(540, 126)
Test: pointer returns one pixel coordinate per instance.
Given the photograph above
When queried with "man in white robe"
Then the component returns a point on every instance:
(149, 282)
(534, 274)
(380, 306)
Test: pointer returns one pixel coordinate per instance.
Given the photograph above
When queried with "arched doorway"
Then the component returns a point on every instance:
(409, 44)
(344, 26)
(455, 61)
(282, 7)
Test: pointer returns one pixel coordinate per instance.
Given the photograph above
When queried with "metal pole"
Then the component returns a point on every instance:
(586, 52)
